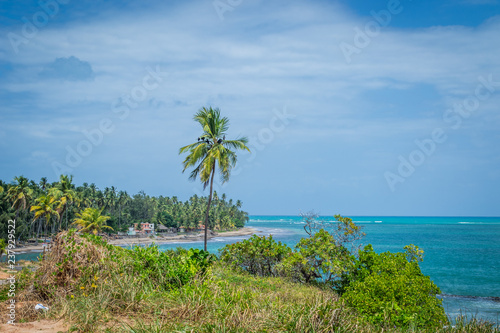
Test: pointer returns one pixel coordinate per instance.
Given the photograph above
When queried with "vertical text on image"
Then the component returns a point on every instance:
(11, 260)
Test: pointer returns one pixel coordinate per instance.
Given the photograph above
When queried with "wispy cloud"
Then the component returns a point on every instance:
(260, 57)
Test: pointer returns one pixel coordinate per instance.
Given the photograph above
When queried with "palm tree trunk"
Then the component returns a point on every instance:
(208, 206)
(38, 230)
(31, 232)
(47, 228)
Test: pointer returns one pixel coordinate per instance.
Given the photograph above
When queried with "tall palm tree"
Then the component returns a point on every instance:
(64, 192)
(93, 194)
(123, 200)
(43, 183)
(91, 220)
(20, 194)
(212, 150)
(45, 207)
(84, 195)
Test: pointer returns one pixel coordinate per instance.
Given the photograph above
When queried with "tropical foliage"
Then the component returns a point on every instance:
(91, 220)
(258, 255)
(96, 287)
(211, 152)
(386, 289)
(43, 208)
(3, 246)
(318, 258)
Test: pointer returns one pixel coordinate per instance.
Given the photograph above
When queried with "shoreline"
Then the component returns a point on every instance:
(158, 239)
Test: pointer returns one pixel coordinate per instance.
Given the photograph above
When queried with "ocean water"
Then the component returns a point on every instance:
(461, 254)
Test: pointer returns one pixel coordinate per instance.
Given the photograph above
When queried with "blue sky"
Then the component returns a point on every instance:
(351, 107)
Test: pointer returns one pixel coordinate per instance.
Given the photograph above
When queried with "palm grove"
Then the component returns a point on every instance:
(45, 208)
(42, 208)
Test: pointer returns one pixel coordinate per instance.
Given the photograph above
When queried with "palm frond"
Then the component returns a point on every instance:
(205, 157)
(239, 143)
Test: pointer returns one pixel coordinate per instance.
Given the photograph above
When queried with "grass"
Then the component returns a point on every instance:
(95, 292)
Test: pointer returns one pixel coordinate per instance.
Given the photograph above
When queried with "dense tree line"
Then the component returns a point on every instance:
(44, 208)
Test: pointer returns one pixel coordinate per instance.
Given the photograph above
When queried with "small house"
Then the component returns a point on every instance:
(145, 228)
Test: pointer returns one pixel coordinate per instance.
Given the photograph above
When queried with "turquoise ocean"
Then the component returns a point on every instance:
(462, 254)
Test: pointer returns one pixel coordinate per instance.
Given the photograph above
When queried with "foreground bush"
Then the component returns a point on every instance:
(257, 255)
(388, 289)
(82, 264)
(317, 259)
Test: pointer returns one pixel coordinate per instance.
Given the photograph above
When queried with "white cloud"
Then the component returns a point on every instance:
(262, 56)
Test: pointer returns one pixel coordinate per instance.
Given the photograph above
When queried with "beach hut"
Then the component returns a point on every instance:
(162, 229)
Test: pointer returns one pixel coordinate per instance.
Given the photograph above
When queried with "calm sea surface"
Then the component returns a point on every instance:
(462, 254)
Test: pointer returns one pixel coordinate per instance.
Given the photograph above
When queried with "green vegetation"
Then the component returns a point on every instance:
(91, 220)
(97, 287)
(43, 209)
(3, 246)
(212, 150)
(318, 259)
(388, 289)
(257, 255)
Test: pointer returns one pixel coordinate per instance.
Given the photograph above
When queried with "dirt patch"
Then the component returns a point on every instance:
(4, 275)
(36, 326)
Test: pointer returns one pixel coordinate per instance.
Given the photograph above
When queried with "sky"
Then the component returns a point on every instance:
(351, 107)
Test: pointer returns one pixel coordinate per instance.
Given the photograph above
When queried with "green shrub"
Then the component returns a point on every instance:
(257, 255)
(169, 269)
(387, 289)
(318, 259)
(77, 262)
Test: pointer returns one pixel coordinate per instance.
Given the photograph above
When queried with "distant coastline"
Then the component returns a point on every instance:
(158, 240)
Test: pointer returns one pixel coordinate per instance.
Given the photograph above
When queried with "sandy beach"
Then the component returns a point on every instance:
(158, 239)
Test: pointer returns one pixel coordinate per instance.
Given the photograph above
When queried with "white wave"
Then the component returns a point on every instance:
(274, 221)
